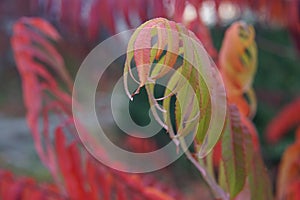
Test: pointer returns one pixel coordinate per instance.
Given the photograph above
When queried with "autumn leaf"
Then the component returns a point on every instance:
(258, 178)
(76, 173)
(195, 77)
(233, 153)
(238, 63)
(32, 43)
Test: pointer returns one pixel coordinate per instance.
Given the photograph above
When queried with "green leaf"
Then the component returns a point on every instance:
(258, 178)
(222, 177)
(233, 153)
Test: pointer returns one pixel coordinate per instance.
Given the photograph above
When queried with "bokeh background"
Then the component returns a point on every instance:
(276, 83)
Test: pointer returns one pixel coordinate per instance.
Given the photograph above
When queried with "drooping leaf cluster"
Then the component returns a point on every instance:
(156, 47)
(193, 82)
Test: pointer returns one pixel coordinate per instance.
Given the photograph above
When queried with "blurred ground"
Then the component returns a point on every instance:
(17, 150)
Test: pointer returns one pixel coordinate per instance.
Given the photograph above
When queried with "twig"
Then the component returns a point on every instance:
(217, 191)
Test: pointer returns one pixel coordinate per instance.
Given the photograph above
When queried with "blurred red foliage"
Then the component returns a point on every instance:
(76, 174)
(78, 16)
(26, 188)
(285, 120)
(288, 182)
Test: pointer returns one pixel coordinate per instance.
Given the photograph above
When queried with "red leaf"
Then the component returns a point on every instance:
(286, 119)
(203, 34)
(93, 24)
(42, 26)
(71, 13)
(288, 175)
(77, 174)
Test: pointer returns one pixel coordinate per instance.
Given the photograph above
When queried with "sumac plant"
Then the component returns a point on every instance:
(201, 99)
(76, 174)
(159, 47)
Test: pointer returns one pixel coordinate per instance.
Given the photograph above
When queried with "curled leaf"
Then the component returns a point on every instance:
(238, 63)
(164, 50)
